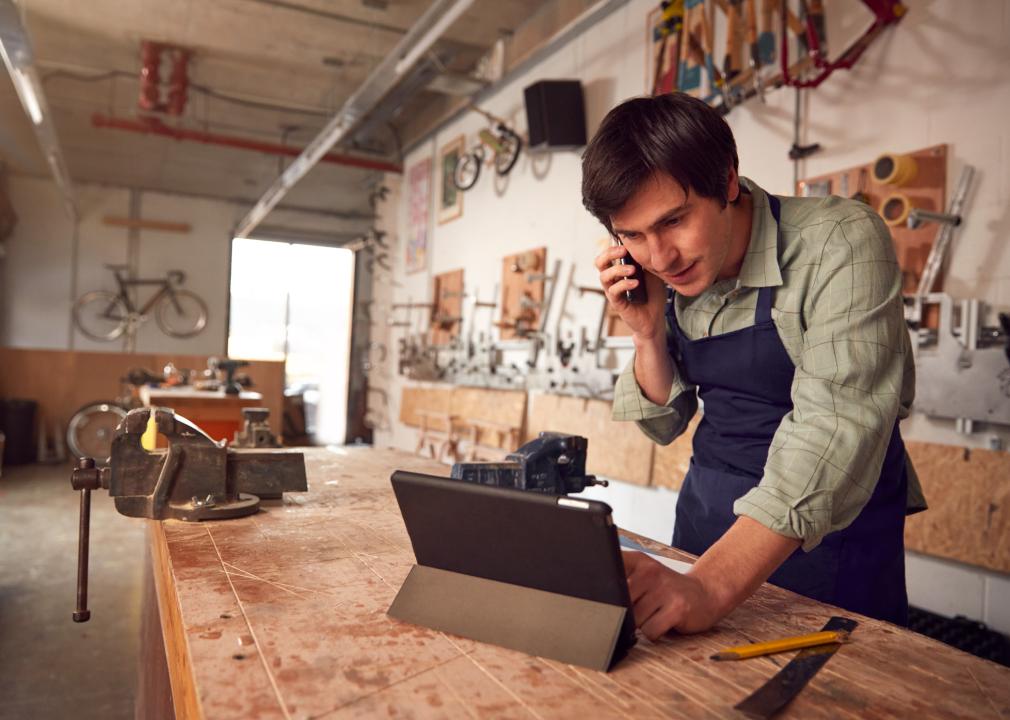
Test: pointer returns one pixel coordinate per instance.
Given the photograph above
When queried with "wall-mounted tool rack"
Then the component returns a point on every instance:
(447, 307)
(522, 295)
(925, 189)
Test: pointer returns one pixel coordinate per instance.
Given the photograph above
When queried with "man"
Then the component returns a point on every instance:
(786, 320)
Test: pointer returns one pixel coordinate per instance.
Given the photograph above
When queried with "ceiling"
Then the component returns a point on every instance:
(266, 70)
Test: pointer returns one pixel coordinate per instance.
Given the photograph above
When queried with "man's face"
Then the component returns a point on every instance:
(678, 236)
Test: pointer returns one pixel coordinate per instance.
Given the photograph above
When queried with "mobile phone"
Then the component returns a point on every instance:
(637, 295)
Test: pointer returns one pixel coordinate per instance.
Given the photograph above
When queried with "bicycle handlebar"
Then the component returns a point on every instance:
(176, 276)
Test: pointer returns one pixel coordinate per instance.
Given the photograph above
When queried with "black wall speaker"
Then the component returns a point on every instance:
(555, 114)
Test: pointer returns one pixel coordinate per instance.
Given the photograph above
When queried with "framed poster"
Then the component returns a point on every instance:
(419, 193)
(450, 199)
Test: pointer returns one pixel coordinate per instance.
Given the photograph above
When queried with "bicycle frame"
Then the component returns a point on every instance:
(124, 283)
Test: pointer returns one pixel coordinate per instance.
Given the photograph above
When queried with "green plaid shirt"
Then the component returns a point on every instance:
(838, 310)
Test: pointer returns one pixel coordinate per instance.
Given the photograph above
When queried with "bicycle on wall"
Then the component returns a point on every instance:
(104, 315)
(504, 142)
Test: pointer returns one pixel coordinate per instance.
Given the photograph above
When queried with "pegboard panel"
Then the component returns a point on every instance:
(968, 492)
(927, 190)
(446, 307)
(522, 293)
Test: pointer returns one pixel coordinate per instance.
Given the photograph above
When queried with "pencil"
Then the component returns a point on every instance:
(784, 645)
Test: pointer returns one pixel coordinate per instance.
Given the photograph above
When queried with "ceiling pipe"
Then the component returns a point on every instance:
(154, 126)
(16, 53)
(382, 79)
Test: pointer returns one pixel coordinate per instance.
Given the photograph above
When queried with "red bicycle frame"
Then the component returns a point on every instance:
(885, 12)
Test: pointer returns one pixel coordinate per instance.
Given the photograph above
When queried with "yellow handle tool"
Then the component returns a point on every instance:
(784, 645)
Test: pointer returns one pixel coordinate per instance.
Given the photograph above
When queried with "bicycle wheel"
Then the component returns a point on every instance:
(91, 429)
(511, 145)
(181, 314)
(101, 315)
(467, 170)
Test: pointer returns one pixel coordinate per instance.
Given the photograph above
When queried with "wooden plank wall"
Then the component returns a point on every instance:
(500, 407)
(616, 450)
(62, 381)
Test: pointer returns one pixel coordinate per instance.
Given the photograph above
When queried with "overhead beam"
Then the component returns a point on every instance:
(17, 55)
(418, 40)
(556, 23)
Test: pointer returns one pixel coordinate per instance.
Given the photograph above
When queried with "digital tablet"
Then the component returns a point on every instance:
(562, 545)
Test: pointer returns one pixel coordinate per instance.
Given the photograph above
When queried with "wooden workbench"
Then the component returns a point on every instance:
(282, 615)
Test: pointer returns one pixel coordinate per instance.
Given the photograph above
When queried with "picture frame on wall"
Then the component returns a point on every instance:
(419, 194)
(450, 198)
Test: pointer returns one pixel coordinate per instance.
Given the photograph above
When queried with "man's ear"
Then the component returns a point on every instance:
(732, 186)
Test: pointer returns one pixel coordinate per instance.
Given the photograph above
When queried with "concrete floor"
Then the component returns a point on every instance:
(51, 667)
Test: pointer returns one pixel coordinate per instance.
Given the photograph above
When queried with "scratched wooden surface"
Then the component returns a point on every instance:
(283, 616)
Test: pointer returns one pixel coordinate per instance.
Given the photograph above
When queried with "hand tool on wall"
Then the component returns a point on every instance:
(731, 64)
(938, 252)
(195, 479)
(785, 685)
(553, 463)
(668, 34)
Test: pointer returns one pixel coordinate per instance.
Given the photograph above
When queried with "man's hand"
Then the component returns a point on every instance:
(727, 574)
(645, 321)
(664, 599)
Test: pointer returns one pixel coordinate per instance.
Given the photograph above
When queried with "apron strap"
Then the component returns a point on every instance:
(763, 312)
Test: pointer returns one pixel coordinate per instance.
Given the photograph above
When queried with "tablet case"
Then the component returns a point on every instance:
(530, 572)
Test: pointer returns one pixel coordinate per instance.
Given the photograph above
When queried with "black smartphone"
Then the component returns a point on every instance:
(637, 295)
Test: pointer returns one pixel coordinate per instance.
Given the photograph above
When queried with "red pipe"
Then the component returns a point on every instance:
(150, 78)
(155, 126)
(178, 89)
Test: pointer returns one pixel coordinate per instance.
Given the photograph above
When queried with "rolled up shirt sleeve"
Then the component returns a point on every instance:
(826, 456)
(661, 423)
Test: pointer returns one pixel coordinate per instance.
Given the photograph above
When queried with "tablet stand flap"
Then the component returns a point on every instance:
(559, 627)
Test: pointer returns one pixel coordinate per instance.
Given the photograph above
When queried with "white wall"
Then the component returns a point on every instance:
(38, 272)
(938, 77)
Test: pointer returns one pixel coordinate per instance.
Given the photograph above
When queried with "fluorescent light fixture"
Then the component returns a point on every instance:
(26, 91)
(433, 34)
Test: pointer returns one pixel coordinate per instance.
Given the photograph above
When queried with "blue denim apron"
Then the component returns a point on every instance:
(745, 380)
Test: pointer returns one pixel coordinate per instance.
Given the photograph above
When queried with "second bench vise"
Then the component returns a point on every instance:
(554, 464)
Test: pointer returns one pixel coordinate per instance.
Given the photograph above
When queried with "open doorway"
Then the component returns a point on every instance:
(292, 302)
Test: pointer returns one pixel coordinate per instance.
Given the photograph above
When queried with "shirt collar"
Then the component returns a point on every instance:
(760, 266)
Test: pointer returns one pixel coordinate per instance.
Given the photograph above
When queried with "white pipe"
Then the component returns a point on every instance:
(382, 79)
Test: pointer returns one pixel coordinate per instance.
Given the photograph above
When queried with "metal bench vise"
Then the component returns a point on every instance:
(195, 478)
(553, 464)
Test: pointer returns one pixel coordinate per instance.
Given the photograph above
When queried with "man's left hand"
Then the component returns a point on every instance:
(664, 599)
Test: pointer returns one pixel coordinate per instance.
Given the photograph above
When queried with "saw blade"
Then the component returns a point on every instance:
(787, 682)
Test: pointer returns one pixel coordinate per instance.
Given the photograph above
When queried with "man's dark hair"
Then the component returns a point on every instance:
(676, 134)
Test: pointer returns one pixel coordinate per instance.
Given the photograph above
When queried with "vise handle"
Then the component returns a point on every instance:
(86, 478)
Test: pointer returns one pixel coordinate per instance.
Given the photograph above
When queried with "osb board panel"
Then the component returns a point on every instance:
(968, 492)
(497, 407)
(927, 191)
(417, 400)
(506, 408)
(447, 307)
(672, 461)
(617, 450)
(300, 592)
(62, 381)
(522, 292)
